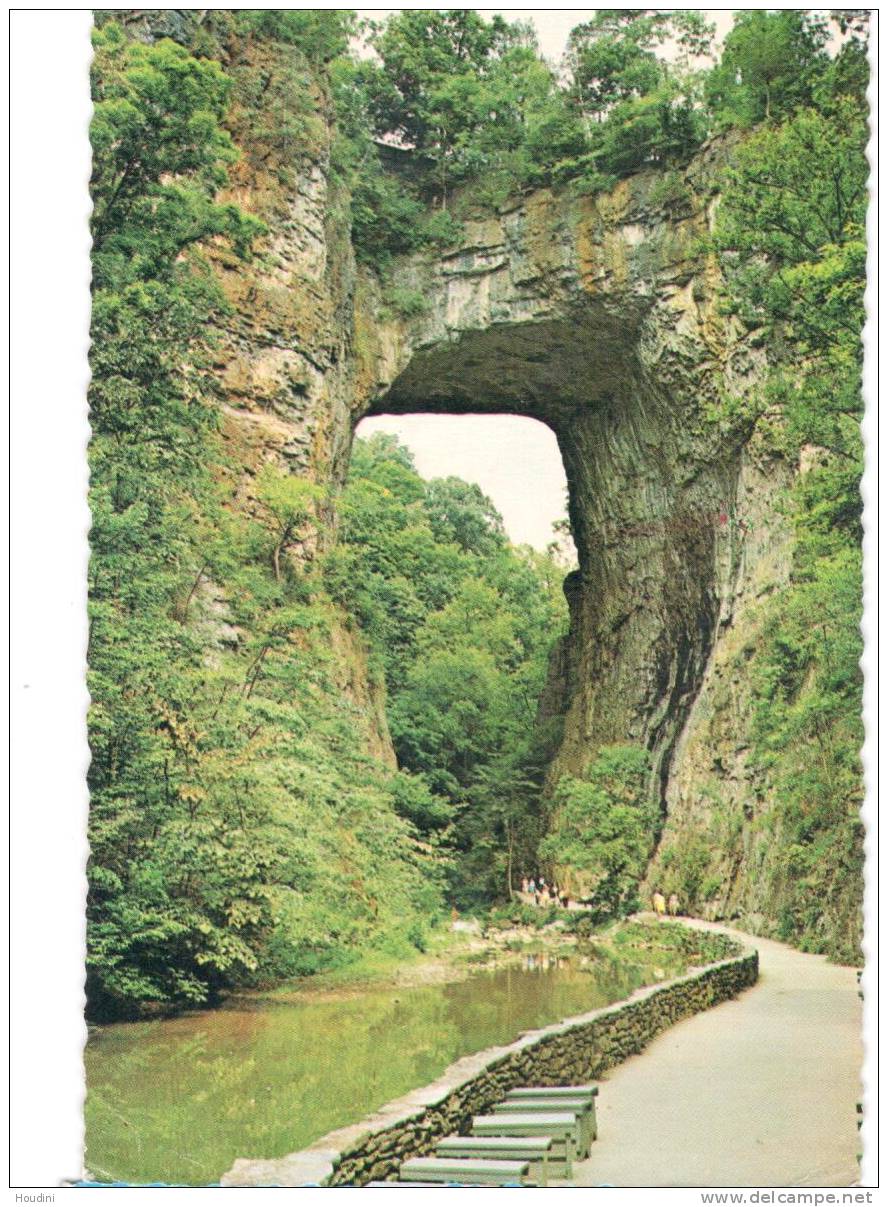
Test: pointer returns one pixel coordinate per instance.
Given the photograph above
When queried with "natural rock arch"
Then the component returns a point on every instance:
(599, 318)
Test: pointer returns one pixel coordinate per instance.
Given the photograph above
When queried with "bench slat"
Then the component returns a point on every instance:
(583, 1108)
(561, 1127)
(535, 1149)
(521, 1144)
(470, 1165)
(554, 1091)
(440, 1169)
(563, 1121)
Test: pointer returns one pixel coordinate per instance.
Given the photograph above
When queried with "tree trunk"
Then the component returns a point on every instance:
(509, 860)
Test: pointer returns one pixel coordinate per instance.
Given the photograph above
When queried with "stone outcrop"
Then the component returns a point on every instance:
(568, 1053)
(600, 317)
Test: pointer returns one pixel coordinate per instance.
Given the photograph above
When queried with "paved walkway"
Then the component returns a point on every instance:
(759, 1091)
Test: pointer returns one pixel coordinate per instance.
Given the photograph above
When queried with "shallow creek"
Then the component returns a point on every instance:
(177, 1100)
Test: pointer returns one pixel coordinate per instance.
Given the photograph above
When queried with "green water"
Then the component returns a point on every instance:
(177, 1100)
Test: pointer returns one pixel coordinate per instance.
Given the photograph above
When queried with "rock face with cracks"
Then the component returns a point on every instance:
(599, 317)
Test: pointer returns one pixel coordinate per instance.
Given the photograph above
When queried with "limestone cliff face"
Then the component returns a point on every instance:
(600, 317)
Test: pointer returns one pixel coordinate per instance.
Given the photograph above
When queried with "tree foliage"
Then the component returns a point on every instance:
(770, 64)
(462, 624)
(791, 233)
(603, 830)
(238, 829)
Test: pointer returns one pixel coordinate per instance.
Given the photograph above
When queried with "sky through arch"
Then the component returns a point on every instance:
(514, 459)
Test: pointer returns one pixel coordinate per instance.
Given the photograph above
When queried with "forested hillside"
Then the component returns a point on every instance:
(460, 625)
(791, 234)
(263, 637)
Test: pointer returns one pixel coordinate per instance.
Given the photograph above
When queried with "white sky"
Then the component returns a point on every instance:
(515, 460)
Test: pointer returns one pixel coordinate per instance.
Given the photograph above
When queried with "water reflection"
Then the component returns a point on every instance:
(543, 961)
(178, 1100)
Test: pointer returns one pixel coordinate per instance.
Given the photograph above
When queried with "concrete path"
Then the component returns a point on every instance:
(759, 1091)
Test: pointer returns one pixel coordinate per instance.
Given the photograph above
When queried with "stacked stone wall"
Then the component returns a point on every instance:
(577, 1050)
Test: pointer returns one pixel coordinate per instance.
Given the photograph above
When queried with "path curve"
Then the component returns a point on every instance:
(758, 1091)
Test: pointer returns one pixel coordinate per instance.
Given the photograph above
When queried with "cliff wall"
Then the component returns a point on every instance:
(600, 316)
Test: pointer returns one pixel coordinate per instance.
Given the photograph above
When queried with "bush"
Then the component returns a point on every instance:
(604, 828)
(404, 302)
(519, 914)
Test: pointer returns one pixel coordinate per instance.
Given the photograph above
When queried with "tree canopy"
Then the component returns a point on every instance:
(462, 624)
(604, 828)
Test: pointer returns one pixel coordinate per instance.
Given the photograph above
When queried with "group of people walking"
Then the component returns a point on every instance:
(536, 891)
(541, 893)
(662, 906)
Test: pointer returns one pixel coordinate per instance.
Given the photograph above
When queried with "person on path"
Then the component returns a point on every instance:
(659, 903)
(673, 905)
(532, 889)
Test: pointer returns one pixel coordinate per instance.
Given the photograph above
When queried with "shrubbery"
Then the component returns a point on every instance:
(603, 830)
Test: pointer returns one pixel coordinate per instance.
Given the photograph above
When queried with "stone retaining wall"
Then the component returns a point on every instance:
(576, 1050)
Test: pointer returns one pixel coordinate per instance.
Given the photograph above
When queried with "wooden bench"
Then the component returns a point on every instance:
(561, 1126)
(557, 1094)
(554, 1091)
(534, 1149)
(471, 1172)
(583, 1108)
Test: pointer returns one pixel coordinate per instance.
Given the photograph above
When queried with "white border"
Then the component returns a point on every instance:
(50, 164)
(49, 324)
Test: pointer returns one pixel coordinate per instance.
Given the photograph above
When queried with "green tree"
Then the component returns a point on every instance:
(286, 505)
(320, 34)
(769, 66)
(432, 88)
(177, 900)
(791, 233)
(460, 514)
(611, 58)
(238, 829)
(604, 827)
(640, 108)
(790, 230)
(462, 624)
(159, 155)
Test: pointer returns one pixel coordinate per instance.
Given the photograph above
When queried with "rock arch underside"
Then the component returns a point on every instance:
(601, 317)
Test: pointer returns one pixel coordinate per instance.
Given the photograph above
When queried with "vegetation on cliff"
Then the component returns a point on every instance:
(239, 828)
(792, 230)
(790, 233)
(603, 830)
